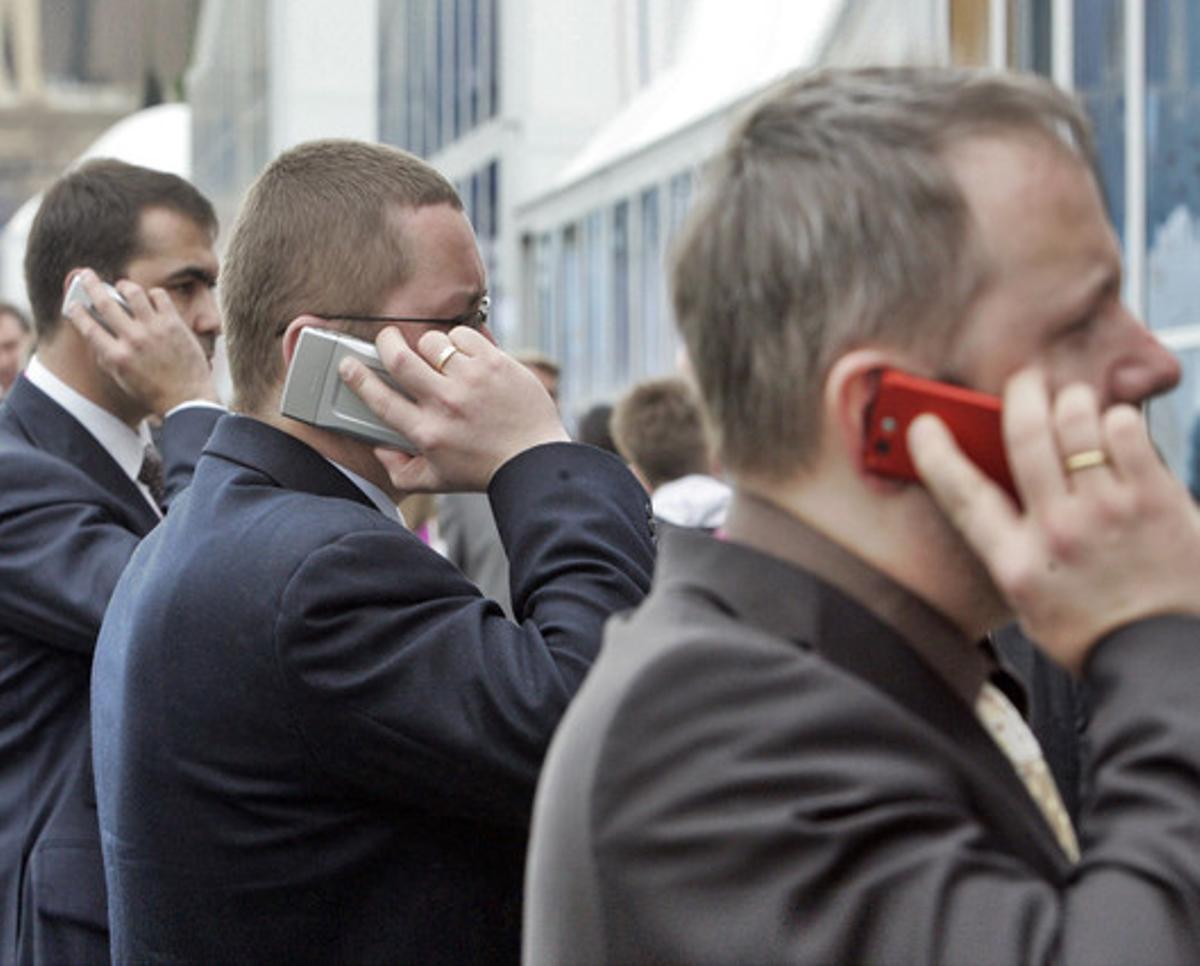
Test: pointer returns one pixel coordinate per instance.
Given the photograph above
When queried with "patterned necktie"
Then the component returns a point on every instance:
(151, 474)
(1009, 730)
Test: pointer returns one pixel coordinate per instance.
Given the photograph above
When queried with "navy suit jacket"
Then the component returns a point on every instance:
(315, 740)
(69, 521)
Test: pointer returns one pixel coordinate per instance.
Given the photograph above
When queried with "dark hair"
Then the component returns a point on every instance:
(89, 218)
(658, 427)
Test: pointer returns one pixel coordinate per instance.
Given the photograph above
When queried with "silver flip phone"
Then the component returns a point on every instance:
(314, 392)
(77, 295)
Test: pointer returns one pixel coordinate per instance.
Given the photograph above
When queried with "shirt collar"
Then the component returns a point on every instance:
(126, 446)
(935, 639)
(373, 493)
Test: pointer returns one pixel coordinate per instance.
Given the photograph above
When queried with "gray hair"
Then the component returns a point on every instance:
(833, 219)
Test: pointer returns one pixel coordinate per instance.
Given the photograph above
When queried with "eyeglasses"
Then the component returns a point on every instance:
(475, 319)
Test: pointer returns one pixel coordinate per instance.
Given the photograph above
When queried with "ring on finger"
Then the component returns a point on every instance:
(444, 356)
(1085, 459)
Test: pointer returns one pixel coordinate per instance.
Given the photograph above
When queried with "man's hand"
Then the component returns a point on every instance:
(472, 409)
(152, 354)
(1107, 536)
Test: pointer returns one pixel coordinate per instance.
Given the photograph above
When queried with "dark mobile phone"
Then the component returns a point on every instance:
(973, 419)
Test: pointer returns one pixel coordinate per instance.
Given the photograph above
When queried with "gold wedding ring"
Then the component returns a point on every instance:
(1084, 460)
(444, 357)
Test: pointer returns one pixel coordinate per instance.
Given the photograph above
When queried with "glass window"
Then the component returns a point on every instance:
(570, 314)
(597, 303)
(544, 288)
(651, 286)
(1029, 35)
(620, 294)
(1100, 82)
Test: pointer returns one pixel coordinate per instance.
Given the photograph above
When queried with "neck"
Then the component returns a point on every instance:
(353, 454)
(69, 358)
(898, 531)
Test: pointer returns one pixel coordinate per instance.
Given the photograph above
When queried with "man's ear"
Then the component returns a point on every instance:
(850, 389)
(291, 336)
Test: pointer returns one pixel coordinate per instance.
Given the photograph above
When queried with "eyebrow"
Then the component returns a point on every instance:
(192, 272)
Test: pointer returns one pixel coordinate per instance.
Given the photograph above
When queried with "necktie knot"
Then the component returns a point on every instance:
(151, 474)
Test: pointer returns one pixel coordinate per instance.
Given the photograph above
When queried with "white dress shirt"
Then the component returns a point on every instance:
(126, 446)
(373, 493)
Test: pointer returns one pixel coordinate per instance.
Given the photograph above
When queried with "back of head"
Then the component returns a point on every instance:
(657, 426)
(833, 219)
(89, 219)
(320, 231)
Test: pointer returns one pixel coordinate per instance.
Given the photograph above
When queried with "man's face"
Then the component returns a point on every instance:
(13, 340)
(1052, 293)
(177, 254)
(447, 279)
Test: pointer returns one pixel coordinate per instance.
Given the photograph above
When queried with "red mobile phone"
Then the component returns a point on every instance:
(973, 419)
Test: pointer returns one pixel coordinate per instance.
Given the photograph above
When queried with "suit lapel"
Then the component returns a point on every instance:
(793, 604)
(51, 429)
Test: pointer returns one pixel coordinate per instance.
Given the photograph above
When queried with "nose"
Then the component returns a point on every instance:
(1147, 368)
(206, 319)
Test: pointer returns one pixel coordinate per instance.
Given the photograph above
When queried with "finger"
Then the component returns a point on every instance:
(978, 508)
(471, 342)
(1130, 451)
(407, 366)
(408, 472)
(111, 315)
(442, 353)
(388, 404)
(1077, 428)
(139, 304)
(1032, 450)
(98, 336)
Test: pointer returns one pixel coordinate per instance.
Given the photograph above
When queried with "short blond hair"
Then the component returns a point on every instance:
(321, 230)
(833, 219)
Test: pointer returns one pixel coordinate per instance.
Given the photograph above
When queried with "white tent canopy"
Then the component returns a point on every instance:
(157, 137)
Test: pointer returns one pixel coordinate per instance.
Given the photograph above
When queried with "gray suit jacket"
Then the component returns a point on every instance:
(759, 769)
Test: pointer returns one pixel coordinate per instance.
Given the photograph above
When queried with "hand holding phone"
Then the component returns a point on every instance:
(78, 295)
(973, 419)
(315, 394)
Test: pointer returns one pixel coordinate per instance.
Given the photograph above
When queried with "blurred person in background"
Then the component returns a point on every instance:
(801, 748)
(314, 739)
(16, 338)
(466, 527)
(658, 428)
(80, 485)
(595, 427)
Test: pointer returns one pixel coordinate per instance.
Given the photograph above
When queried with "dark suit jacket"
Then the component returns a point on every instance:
(69, 521)
(315, 740)
(760, 770)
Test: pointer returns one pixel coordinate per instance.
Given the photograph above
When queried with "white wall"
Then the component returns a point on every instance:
(323, 70)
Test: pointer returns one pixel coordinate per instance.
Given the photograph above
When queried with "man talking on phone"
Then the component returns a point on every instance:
(798, 750)
(315, 739)
(80, 485)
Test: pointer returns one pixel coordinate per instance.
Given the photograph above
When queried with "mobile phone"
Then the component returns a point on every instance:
(973, 419)
(314, 392)
(77, 295)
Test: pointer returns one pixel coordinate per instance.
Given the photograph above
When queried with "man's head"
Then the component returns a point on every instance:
(124, 221)
(15, 336)
(903, 210)
(944, 222)
(339, 228)
(658, 429)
